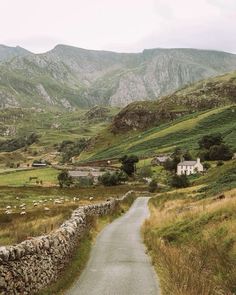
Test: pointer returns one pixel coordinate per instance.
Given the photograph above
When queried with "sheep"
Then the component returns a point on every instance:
(91, 198)
(35, 204)
(22, 205)
(57, 202)
(8, 207)
(46, 209)
(8, 212)
(23, 213)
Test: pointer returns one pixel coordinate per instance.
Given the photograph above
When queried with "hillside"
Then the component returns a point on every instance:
(67, 77)
(51, 128)
(7, 53)
(183, 132)
(206, 94)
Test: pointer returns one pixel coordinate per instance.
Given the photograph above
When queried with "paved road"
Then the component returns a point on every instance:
(118, 263)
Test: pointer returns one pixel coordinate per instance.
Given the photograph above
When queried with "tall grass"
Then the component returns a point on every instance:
(194, 253)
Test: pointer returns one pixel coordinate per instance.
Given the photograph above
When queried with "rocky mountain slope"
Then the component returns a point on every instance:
(67, 77)
(7, 53)
(203, 95)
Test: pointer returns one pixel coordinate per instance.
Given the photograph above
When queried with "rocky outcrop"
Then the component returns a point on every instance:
(204, 95)
(28, 267)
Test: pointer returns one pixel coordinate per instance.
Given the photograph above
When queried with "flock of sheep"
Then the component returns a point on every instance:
(22, 207)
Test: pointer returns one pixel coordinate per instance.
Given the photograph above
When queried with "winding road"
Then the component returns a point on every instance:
(118, 264)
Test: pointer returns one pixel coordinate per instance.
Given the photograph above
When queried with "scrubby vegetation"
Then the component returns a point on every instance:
(191, 235)
(18, 143)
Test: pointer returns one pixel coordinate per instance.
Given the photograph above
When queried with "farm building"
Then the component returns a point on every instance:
(160, 160)
(189, 167)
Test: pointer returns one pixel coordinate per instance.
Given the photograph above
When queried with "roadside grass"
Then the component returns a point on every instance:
(82, 253)
(193, 242)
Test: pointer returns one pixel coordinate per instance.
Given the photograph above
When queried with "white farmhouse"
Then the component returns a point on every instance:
(189, 167)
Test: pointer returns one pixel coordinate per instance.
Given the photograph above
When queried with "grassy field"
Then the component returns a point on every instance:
(38, 220)
(192, 238)
(48, 176)
(184, 132)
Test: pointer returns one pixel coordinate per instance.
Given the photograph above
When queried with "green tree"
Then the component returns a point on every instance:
(208, 141)
(152, 187)
(179, 181)
(220, 152)
(129, 164)
(64, 179)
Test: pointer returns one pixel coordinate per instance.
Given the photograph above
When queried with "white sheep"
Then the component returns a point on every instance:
(8, 207)
(8, 212)
(46, 209)
(23, 213)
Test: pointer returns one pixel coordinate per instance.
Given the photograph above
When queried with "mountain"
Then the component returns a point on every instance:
(206, 94)
(68, 77)
(7, 53)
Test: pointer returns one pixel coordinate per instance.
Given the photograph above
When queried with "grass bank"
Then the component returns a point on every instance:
(193, 243)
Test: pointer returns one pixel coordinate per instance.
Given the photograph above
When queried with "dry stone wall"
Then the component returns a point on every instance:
(28, 267)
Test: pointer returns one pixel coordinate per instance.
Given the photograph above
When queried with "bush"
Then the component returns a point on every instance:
(64, 179)
(115, 178)
(220, 163)
(128, 164)
(206, 165)
(207, 141)
(152, 187)
(179, 181)
(220, 152)
(145, 171)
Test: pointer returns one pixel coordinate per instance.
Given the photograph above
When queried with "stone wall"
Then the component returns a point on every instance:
(27, 267)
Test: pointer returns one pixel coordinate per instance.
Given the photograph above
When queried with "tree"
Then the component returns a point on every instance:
(179, 181)
(220, 152)
(152, 187)
(64, 179)
(208, 141)
(115, 178)
(128, 164)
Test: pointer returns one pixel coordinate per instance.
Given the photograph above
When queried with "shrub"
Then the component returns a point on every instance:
(219, 163)
(208, 141)
(64, 179)
(206, 165)
(128, 164)
(145, 171)
(115, 178)
(152, 187)
(179, 181)
(220, 152)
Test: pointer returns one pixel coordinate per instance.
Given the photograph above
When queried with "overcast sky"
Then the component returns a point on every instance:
(119, 25)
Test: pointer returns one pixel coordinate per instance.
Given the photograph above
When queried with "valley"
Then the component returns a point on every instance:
(84, 134)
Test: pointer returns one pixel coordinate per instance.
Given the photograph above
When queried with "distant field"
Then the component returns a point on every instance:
(184, 132)
(48, 176)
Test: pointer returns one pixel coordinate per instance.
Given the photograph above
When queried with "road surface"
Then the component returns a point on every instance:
(118, 264)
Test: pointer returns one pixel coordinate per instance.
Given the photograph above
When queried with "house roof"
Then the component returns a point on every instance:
(85, 173)
(162, 158)
(187, 163)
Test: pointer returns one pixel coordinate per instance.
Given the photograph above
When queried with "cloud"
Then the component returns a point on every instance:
(124, 25)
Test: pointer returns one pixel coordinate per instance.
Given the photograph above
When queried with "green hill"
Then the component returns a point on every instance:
(183, 132)
(206, 94)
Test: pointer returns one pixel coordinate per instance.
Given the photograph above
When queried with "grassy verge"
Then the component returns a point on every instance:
(81, 255)
(193, 244)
